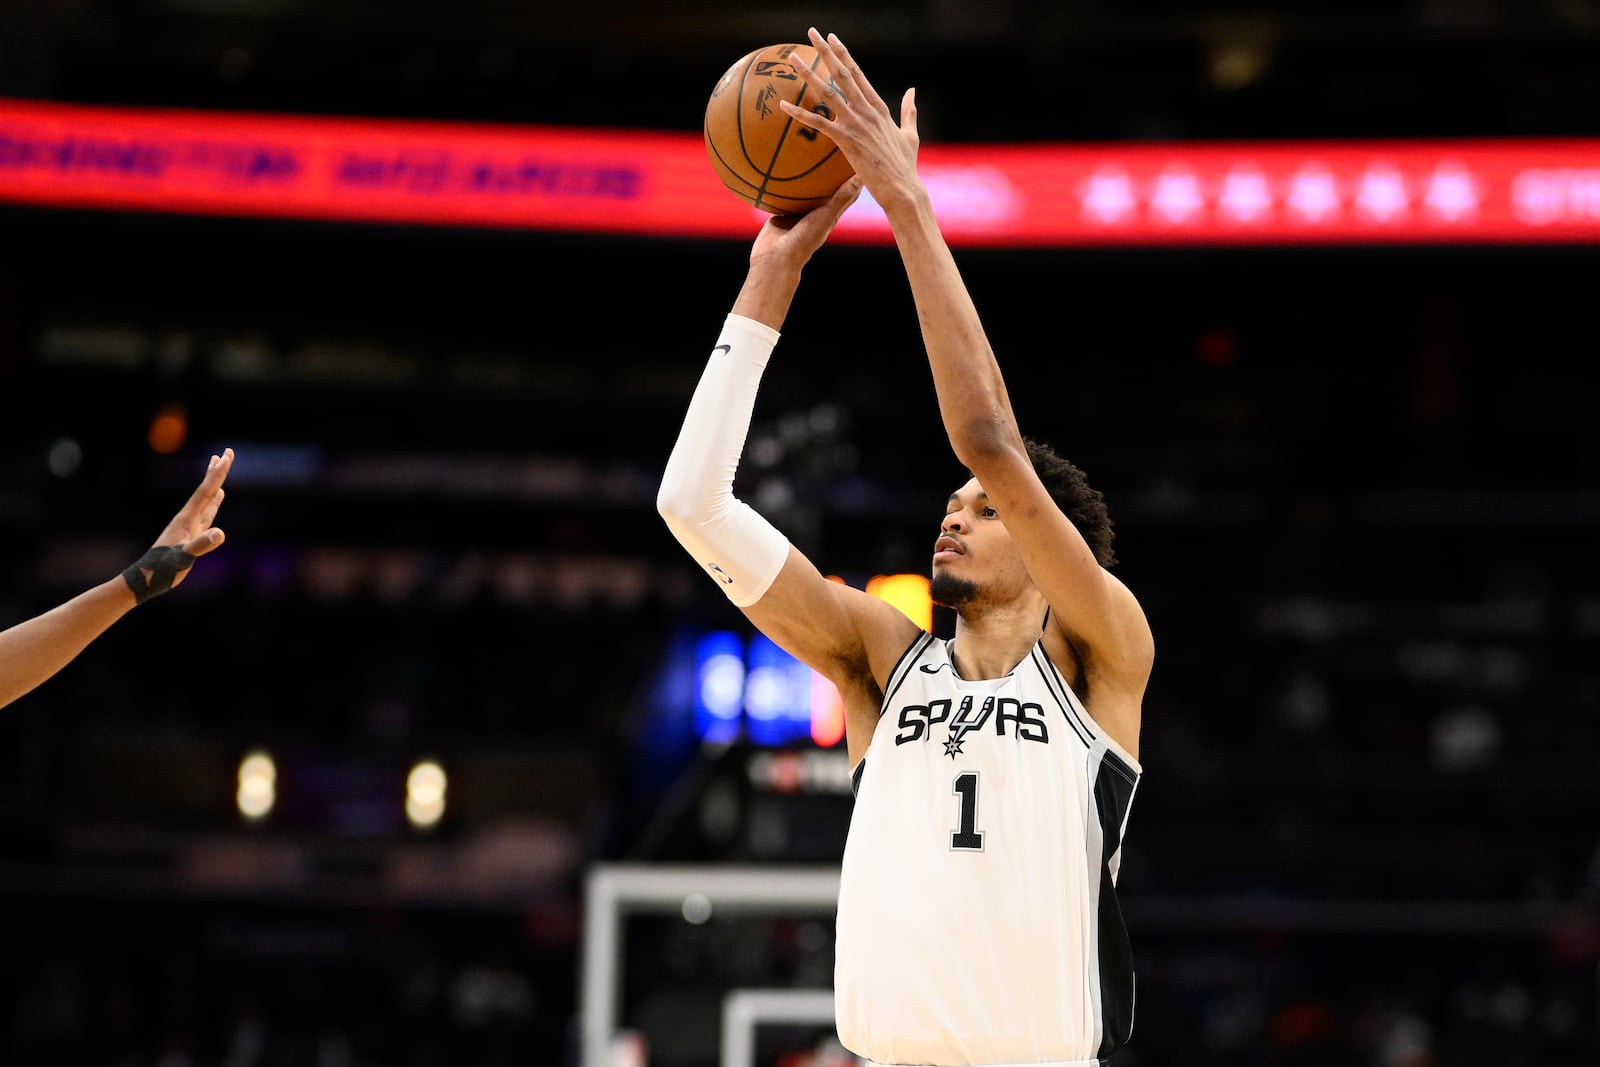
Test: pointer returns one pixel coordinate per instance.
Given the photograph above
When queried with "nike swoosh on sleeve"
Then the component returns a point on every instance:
(722, 348)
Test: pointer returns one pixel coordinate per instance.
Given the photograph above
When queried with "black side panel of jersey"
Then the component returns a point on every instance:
(1113, 791)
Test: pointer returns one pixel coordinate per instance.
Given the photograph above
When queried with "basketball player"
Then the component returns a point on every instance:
(35, 649)
(994, 773)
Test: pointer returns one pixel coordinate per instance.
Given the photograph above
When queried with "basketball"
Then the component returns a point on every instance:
(765, 157)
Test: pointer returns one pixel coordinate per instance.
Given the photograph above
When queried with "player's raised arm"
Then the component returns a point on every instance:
(1089, 607)
(35, 649)
(843, 633)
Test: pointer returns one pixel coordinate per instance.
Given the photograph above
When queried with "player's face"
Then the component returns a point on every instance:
(974, 554)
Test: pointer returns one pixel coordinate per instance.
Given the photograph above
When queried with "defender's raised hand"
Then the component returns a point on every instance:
(34, 649)
(186, 538)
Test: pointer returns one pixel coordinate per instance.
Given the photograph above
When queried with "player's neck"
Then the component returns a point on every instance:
(989, 644)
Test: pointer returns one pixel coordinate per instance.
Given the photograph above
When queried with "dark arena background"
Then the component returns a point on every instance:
(426, 767)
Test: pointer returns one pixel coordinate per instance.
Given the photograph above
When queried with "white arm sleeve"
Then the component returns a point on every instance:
(736, 546)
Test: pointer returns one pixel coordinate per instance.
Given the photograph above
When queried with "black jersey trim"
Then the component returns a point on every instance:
(897, 676)
(1058, 688)
(902, 668)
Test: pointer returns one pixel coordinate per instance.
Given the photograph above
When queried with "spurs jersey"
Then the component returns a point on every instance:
(978, 921)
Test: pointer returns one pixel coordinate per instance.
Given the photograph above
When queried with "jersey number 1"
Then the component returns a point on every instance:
(966, 836)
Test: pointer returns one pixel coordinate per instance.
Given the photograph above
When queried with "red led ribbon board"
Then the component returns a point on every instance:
(661, 184)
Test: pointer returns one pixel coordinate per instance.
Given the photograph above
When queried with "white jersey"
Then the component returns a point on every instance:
(978, 920)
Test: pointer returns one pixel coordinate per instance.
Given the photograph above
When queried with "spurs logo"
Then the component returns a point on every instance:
(1006, 715)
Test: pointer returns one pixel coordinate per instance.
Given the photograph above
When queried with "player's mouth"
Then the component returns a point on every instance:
(947, 547)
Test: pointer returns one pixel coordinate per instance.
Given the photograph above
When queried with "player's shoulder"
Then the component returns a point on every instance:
(888, 635)
(1132, 620)
(1121, 645)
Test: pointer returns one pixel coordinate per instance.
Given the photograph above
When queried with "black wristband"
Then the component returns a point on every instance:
(152, 575)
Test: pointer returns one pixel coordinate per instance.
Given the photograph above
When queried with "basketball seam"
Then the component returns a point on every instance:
(777, 148)
(788, 127)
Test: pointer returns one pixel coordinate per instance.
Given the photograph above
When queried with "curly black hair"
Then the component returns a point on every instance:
(1078, 500)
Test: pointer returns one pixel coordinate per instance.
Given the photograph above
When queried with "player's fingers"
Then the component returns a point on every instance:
(196, 515)
(844, 196)
(210, 486)
(208, 508)
(849, 75)
(217, 469)
(804, 116)
(817, 88)
(908, 112)
(209, 492)
(203, 492)
(207, 541)
(818, 117)
(827, 48)
(842, 86)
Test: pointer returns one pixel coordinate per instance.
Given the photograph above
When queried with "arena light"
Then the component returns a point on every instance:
(65, 457)
(425, 794)
(778, 694)
(827, 712)
(257, 791)
(908, 592)
(719, 686)
(169, 428)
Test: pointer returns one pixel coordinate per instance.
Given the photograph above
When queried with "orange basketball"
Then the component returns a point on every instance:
(763, 155)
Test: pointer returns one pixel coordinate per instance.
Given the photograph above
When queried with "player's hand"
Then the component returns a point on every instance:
(799, 236)
(191, 528)
(883, 154)
(187, 537)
